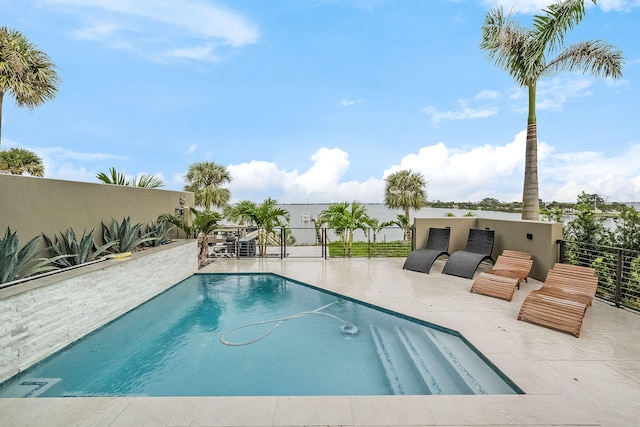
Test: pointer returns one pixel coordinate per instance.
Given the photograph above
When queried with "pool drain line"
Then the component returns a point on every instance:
(346, 329)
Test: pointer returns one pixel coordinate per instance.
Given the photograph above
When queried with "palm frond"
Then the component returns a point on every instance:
(595, 56)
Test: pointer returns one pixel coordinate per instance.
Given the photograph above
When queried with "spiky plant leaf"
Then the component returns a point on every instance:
(75, 252)
(16, 264)
(126, 236)
(158, 230)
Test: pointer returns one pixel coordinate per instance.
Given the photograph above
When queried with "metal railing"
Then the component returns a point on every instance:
(309, 243)
(618, 270)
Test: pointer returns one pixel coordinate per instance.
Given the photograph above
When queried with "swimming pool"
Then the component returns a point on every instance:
(213, 335)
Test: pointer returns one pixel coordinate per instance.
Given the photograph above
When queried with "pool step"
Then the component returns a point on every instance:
(396, 364)
(422, 362)
(448, 370)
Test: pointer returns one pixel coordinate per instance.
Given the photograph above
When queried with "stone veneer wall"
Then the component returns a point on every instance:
(40, 317)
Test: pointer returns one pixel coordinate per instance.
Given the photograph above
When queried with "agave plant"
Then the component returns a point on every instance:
(73, 252)
(158, 230)
(16, 264)
(127, 237)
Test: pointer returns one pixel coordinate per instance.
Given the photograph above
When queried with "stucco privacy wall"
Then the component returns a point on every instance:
(39, 317)
(31, 205)
(512, 235)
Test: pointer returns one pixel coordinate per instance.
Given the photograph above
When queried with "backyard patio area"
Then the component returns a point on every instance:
(591, 380)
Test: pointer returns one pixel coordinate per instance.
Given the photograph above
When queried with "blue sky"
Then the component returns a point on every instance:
(319, 100)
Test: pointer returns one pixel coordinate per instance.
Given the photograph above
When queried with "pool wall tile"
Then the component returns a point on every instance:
(42, 316)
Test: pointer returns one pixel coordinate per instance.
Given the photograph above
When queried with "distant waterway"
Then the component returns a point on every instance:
(302, 215)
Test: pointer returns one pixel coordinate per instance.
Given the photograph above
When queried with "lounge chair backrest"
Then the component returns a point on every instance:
(516, 254)
(511, 263)
(572, 279)
(480, 241)
(438, 239)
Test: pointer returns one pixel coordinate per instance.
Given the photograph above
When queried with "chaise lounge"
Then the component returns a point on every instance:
(479, 247)
(422, 260)
(562, 302)
(511, 268)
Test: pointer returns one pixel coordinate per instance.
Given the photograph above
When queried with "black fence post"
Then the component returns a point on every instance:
(561, 251)
(325, 249)
(618, 296)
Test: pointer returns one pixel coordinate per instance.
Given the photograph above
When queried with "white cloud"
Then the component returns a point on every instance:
(491, 170)
(190, 149)
(553, 94)
(160, 29)
(347, 102)
(568, 174)
(460, 175)
(465, 112)
(321, 183)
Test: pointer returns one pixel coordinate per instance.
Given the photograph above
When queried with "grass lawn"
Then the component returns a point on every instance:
(365, 249)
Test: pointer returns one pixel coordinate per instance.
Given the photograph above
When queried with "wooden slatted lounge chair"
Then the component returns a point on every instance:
(505, 276)
(513, 264)
(479, 247)
(563, 300)
(437, 245)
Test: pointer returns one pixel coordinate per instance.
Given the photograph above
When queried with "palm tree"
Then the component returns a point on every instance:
(119, 178)
(25, 71)
(204, 179)
(266, 216)
(114, 177)
(202, 223)
(345, 219)
(240, 212)
(526, 55)
(405, 189)
(18, 161)
(146, 181)
(401, 221)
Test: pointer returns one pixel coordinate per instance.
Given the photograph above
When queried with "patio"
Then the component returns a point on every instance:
(591, 380)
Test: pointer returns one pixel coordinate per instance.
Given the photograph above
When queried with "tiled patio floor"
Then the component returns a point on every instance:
(591, 380)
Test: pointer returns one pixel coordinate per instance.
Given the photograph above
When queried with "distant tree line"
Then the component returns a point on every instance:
(598, 202)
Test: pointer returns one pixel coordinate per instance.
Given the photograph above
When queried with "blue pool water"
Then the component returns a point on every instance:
(322, 344)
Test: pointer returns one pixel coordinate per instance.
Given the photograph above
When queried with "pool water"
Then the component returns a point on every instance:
(281, 337)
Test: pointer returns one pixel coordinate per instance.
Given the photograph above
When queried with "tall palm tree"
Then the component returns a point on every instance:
(406, 190)
(525, 53)
(18, 161)
(345, 218)
(204, 179)
(25, 71)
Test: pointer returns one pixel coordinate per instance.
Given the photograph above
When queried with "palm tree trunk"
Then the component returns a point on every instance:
(406, 235)
(204, 248)
(530, 198)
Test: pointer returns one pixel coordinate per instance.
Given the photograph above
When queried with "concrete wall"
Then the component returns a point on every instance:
(509, 235)
(31, 205)
(40, 317)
